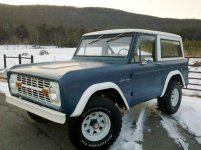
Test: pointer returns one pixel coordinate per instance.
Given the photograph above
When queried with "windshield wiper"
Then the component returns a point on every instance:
(96, 40)
(115, 38)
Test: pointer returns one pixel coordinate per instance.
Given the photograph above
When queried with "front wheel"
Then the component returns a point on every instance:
(170, 102)
(97, 127)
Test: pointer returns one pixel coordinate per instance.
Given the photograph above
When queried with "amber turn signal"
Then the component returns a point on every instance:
(45, 92)
(18, 84)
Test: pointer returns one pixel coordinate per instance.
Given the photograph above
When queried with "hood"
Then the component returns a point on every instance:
(55, 70)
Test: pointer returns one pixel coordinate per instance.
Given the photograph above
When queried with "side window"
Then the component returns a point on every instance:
(170, 49)
(145, 48)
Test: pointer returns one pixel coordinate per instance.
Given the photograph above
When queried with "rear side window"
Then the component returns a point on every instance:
(170, 49)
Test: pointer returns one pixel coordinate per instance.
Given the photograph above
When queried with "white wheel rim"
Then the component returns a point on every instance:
(96, 126)
(175, 97)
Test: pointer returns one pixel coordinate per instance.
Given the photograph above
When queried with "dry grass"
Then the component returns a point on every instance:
(192, 48)
(193, 53)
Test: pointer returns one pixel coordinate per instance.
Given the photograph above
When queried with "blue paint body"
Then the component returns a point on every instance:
(138, 82)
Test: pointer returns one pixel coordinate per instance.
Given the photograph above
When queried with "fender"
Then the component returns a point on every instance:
(90, 91)
(169, 76)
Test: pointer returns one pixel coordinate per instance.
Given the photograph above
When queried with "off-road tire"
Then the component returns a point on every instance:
(166, 103)
(38, 118)
(95, 105)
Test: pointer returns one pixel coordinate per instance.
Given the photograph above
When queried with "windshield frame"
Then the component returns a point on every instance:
(132, 35)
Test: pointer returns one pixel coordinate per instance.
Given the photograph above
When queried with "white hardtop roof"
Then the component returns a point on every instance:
(116, 31)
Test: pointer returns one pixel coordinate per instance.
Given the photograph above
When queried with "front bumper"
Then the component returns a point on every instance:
(44, 112)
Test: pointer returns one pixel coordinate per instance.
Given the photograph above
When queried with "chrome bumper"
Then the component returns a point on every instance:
(44, 112)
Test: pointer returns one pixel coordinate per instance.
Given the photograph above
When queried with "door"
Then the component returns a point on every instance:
(146, 74)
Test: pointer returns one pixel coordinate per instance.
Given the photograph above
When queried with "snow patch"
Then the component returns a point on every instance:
(54, 54)
(189, 115)
(4, 87)
(130, 136)
(131, 146)
(170, 126)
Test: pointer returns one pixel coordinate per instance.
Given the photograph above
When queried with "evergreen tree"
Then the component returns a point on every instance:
(43, 35)
(22, 32)
(3, 35)
(58, 36)
(61, 36)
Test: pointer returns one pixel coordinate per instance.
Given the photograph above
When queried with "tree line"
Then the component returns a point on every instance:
(41, 35)
(59, 36)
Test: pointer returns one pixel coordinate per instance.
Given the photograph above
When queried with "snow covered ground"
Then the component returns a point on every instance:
(4, 87)
(131, 135)
(189, 115)
(55, 54)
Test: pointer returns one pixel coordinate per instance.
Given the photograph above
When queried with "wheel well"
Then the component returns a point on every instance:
(111, 94)
(177, 78)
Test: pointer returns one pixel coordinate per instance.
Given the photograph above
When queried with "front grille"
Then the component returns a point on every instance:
(32, 87)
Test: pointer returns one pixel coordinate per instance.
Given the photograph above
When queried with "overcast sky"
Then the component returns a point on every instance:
(160, 8)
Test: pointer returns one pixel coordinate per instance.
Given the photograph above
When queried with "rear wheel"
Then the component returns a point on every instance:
(170, 102)
(97, 127)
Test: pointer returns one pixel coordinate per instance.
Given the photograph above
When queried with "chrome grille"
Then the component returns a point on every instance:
(32, 87)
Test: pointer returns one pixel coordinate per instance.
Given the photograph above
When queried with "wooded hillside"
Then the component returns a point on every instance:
(62, 26)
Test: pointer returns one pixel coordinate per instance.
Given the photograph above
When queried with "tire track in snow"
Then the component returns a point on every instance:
(170, 126)
(129, 139)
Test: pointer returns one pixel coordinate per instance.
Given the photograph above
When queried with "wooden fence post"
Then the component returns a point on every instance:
(20, 59)
(4, 58)
(31, 58)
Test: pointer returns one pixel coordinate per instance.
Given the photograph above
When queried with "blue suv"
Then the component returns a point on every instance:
(110, 71)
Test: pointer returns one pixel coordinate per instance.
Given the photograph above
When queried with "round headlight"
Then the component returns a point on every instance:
(52, 94)
(12, 82)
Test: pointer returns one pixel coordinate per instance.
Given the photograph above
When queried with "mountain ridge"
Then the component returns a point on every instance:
(90, 17)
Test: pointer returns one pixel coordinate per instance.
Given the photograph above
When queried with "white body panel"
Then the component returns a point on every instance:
(159, 37)
(169, 76)
(118, 31)
(44, 112)
(90, 91)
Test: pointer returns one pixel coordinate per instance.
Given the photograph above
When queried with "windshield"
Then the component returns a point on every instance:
(112, 46)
